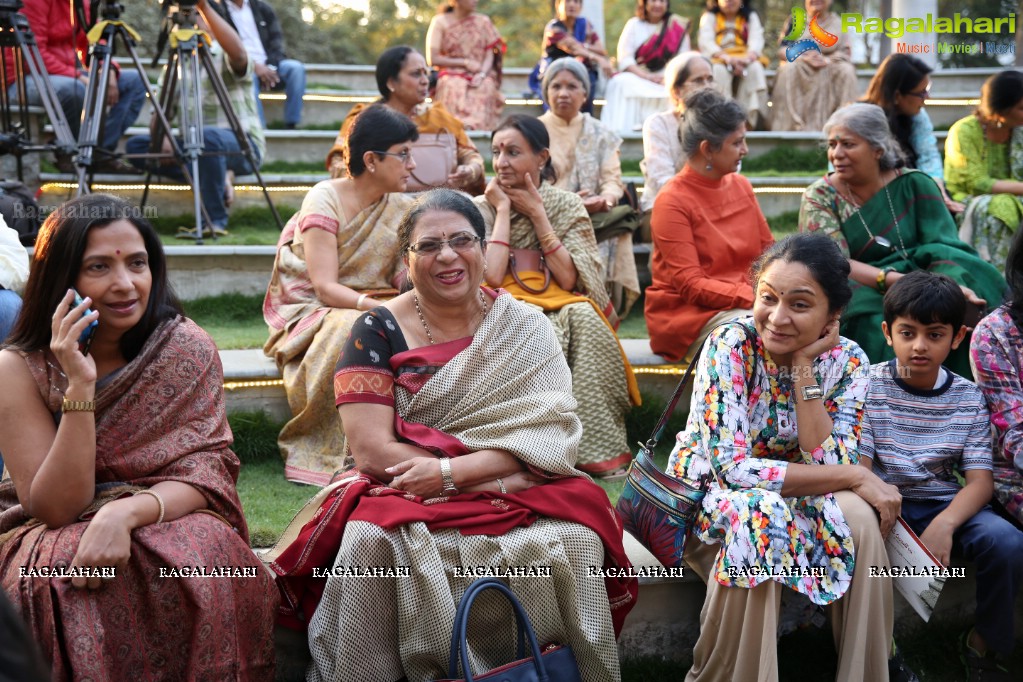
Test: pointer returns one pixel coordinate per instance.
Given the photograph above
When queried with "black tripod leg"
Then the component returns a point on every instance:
(94, 111)
(236, 127)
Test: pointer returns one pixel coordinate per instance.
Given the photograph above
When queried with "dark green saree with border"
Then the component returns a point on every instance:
(923, 236)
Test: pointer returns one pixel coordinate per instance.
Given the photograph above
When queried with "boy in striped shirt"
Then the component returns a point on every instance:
(921, 423)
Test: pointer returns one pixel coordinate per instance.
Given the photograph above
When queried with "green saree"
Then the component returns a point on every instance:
(923, 236)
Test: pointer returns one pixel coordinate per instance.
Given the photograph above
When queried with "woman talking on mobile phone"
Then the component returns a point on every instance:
(122, 479)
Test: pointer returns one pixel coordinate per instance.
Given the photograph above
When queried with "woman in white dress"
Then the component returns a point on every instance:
(648, 41)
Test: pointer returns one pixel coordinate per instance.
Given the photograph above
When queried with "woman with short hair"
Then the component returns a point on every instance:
(662, 150)
(458, 406)
(888, 220)
(338, 256)
(707, 229)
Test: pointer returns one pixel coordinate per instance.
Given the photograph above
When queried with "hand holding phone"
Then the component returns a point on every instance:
(85, 339)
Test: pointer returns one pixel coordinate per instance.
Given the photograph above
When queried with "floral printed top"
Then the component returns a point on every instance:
(996, 354)
(749, 437)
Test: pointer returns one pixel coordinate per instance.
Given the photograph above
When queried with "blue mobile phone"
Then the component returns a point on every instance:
(85, 340)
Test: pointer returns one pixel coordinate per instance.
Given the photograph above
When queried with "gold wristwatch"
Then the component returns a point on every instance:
(447, 482)
(78, 405)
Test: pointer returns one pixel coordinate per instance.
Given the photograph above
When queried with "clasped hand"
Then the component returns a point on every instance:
(525, 200)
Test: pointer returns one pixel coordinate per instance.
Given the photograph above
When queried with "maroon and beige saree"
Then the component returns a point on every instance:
(507, 387)
(160, 418)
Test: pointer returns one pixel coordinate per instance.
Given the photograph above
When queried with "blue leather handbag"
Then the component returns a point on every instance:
(657, 508)
(554, 664)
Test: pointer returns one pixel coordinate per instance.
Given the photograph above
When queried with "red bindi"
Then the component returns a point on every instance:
(118, 252)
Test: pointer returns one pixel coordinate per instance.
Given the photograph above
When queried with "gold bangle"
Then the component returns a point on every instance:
(548, 240)
(78, 405)
(159, 501)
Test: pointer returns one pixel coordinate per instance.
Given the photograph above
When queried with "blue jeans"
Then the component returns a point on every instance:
(10, 304)
(71, 95)
(995, 547)
(225, 154)
(292, 74)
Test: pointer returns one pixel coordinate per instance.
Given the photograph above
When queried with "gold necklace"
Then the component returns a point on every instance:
(426, 325)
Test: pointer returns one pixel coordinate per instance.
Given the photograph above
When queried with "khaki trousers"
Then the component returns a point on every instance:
(739, 627)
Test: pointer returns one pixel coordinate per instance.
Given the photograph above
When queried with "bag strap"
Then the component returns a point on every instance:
(459, 645)
(656, 434)
(527, 288)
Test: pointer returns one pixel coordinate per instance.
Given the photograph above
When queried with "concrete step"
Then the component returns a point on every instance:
(311, 146)
(323, 108)
(515, 79)
(776, 195)
(252, 382)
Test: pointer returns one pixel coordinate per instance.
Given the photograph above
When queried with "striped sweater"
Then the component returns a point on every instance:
(917, 438)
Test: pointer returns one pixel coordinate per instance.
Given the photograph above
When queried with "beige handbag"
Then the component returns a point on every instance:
(435, 156)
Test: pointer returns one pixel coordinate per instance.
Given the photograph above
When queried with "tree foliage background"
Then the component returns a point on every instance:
(339, 34)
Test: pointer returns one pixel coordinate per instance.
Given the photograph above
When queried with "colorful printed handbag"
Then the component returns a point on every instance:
(555, 663)
(658, 508)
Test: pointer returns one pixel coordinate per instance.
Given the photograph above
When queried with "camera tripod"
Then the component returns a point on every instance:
(102, 45)
(190, 51)
(15, 33)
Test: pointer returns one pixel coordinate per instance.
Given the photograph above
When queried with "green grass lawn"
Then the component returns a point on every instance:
(233, 320)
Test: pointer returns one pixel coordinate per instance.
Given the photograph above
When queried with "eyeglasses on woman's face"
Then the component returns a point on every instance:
(405, 155)
(430, 247)
(922, 94)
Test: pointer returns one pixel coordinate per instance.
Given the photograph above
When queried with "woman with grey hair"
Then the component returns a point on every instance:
(662, 150)
(888, 220)
(585, 154)
(707, 230)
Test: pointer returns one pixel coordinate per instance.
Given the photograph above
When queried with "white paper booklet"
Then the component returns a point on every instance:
(916, 574)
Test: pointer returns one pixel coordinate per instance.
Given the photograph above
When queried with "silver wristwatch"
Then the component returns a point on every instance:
(811, 392)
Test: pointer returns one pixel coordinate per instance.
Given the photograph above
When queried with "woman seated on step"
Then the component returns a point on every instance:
(542, 250)
(404, 83)
(782, 398)
(888, 220)
(118, 448)
(662, 149)
(586, 159)
(900, 86)
(336, 257)
(984, 167)
(648, 41)
(457, 403)
(707, 230)
(996, 355)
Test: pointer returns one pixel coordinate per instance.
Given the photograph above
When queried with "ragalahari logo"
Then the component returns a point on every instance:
(818, 36)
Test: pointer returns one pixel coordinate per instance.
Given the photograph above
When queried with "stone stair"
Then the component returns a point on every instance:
(339, 87)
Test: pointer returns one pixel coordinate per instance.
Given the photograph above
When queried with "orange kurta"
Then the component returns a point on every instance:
(706, 234)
